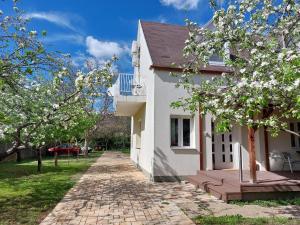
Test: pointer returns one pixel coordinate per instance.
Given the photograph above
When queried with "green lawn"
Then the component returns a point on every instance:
(27, 196)
(269, 203)
(126, 151)
(239, 220)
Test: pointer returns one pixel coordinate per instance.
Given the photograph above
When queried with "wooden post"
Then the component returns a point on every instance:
(55, 158)
(252, 157)
(86, 145)
(201, 149)
(39, 160)
(267, 159)
(68, 156)
(241, 164)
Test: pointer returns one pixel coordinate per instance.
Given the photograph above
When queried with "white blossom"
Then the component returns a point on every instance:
(33, 33)
(297, 82)
(280, 56)
(253, 51)
(243, 70)
(55, 106)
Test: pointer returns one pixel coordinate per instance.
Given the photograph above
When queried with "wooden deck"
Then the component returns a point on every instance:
(225, 184)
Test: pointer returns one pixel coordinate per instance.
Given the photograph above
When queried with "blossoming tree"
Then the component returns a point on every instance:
(259, 41)
(42, 96)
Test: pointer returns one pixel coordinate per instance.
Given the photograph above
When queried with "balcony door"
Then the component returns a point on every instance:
(222, 150)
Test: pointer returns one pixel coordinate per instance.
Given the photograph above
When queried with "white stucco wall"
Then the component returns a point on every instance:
(259, 148)
(169, 161)
(144, 157)
(279, 144)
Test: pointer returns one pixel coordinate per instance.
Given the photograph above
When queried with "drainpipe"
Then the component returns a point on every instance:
(267, 152)
(201, 147)
(240, 164)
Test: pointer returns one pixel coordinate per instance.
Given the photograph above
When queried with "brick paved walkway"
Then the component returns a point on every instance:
(113, 191)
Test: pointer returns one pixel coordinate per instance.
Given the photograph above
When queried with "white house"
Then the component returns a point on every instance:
(168, 143)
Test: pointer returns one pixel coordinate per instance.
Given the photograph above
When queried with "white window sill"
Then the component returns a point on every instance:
(182, 148)
(216, 63)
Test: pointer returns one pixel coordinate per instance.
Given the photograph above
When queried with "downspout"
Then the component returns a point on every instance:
(267, 160)
(252, 154)
(201, 147)
(266, 145)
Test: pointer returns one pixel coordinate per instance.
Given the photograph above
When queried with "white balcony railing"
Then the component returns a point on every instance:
(128, 85)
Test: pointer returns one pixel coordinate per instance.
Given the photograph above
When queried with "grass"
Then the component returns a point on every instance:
(239, 220)
(27, 196)
(126, 151)
(269, 203)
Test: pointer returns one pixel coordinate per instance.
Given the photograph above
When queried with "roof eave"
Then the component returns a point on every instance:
(178, 69)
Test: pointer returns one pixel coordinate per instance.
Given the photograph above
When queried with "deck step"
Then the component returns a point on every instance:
(206, 184)
(226, 185)
(219, 178)
(216, 187)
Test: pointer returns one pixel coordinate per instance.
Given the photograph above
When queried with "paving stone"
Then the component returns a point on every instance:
(114, 192)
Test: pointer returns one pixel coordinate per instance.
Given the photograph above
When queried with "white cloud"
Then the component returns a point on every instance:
(58, 18)
(161, 19)
(79, 59)
(72, 38)
(181, 4)
(104, 49)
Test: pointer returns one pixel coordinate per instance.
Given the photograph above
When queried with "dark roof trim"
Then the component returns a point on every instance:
(206, 70)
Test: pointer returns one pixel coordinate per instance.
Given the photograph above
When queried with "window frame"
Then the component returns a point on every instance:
(180, 132)
(296, 128)
(176, 132)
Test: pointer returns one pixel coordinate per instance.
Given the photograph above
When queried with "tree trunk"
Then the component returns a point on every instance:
(252, 156)
(39, 156)
(19, 157)
(16, 147)
(86, 146)
(55, 158)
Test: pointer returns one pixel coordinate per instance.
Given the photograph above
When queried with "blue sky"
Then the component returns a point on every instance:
(101, 28)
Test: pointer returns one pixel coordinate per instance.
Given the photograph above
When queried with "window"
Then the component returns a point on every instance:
(180, 132)
(213, 142)
(174, 132)
(186, 131)
(295, 140)
(217, 60)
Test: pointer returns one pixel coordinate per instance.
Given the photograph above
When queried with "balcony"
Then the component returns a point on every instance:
(129, 95)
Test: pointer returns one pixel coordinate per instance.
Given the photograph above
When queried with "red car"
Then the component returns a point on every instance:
(65, 149)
